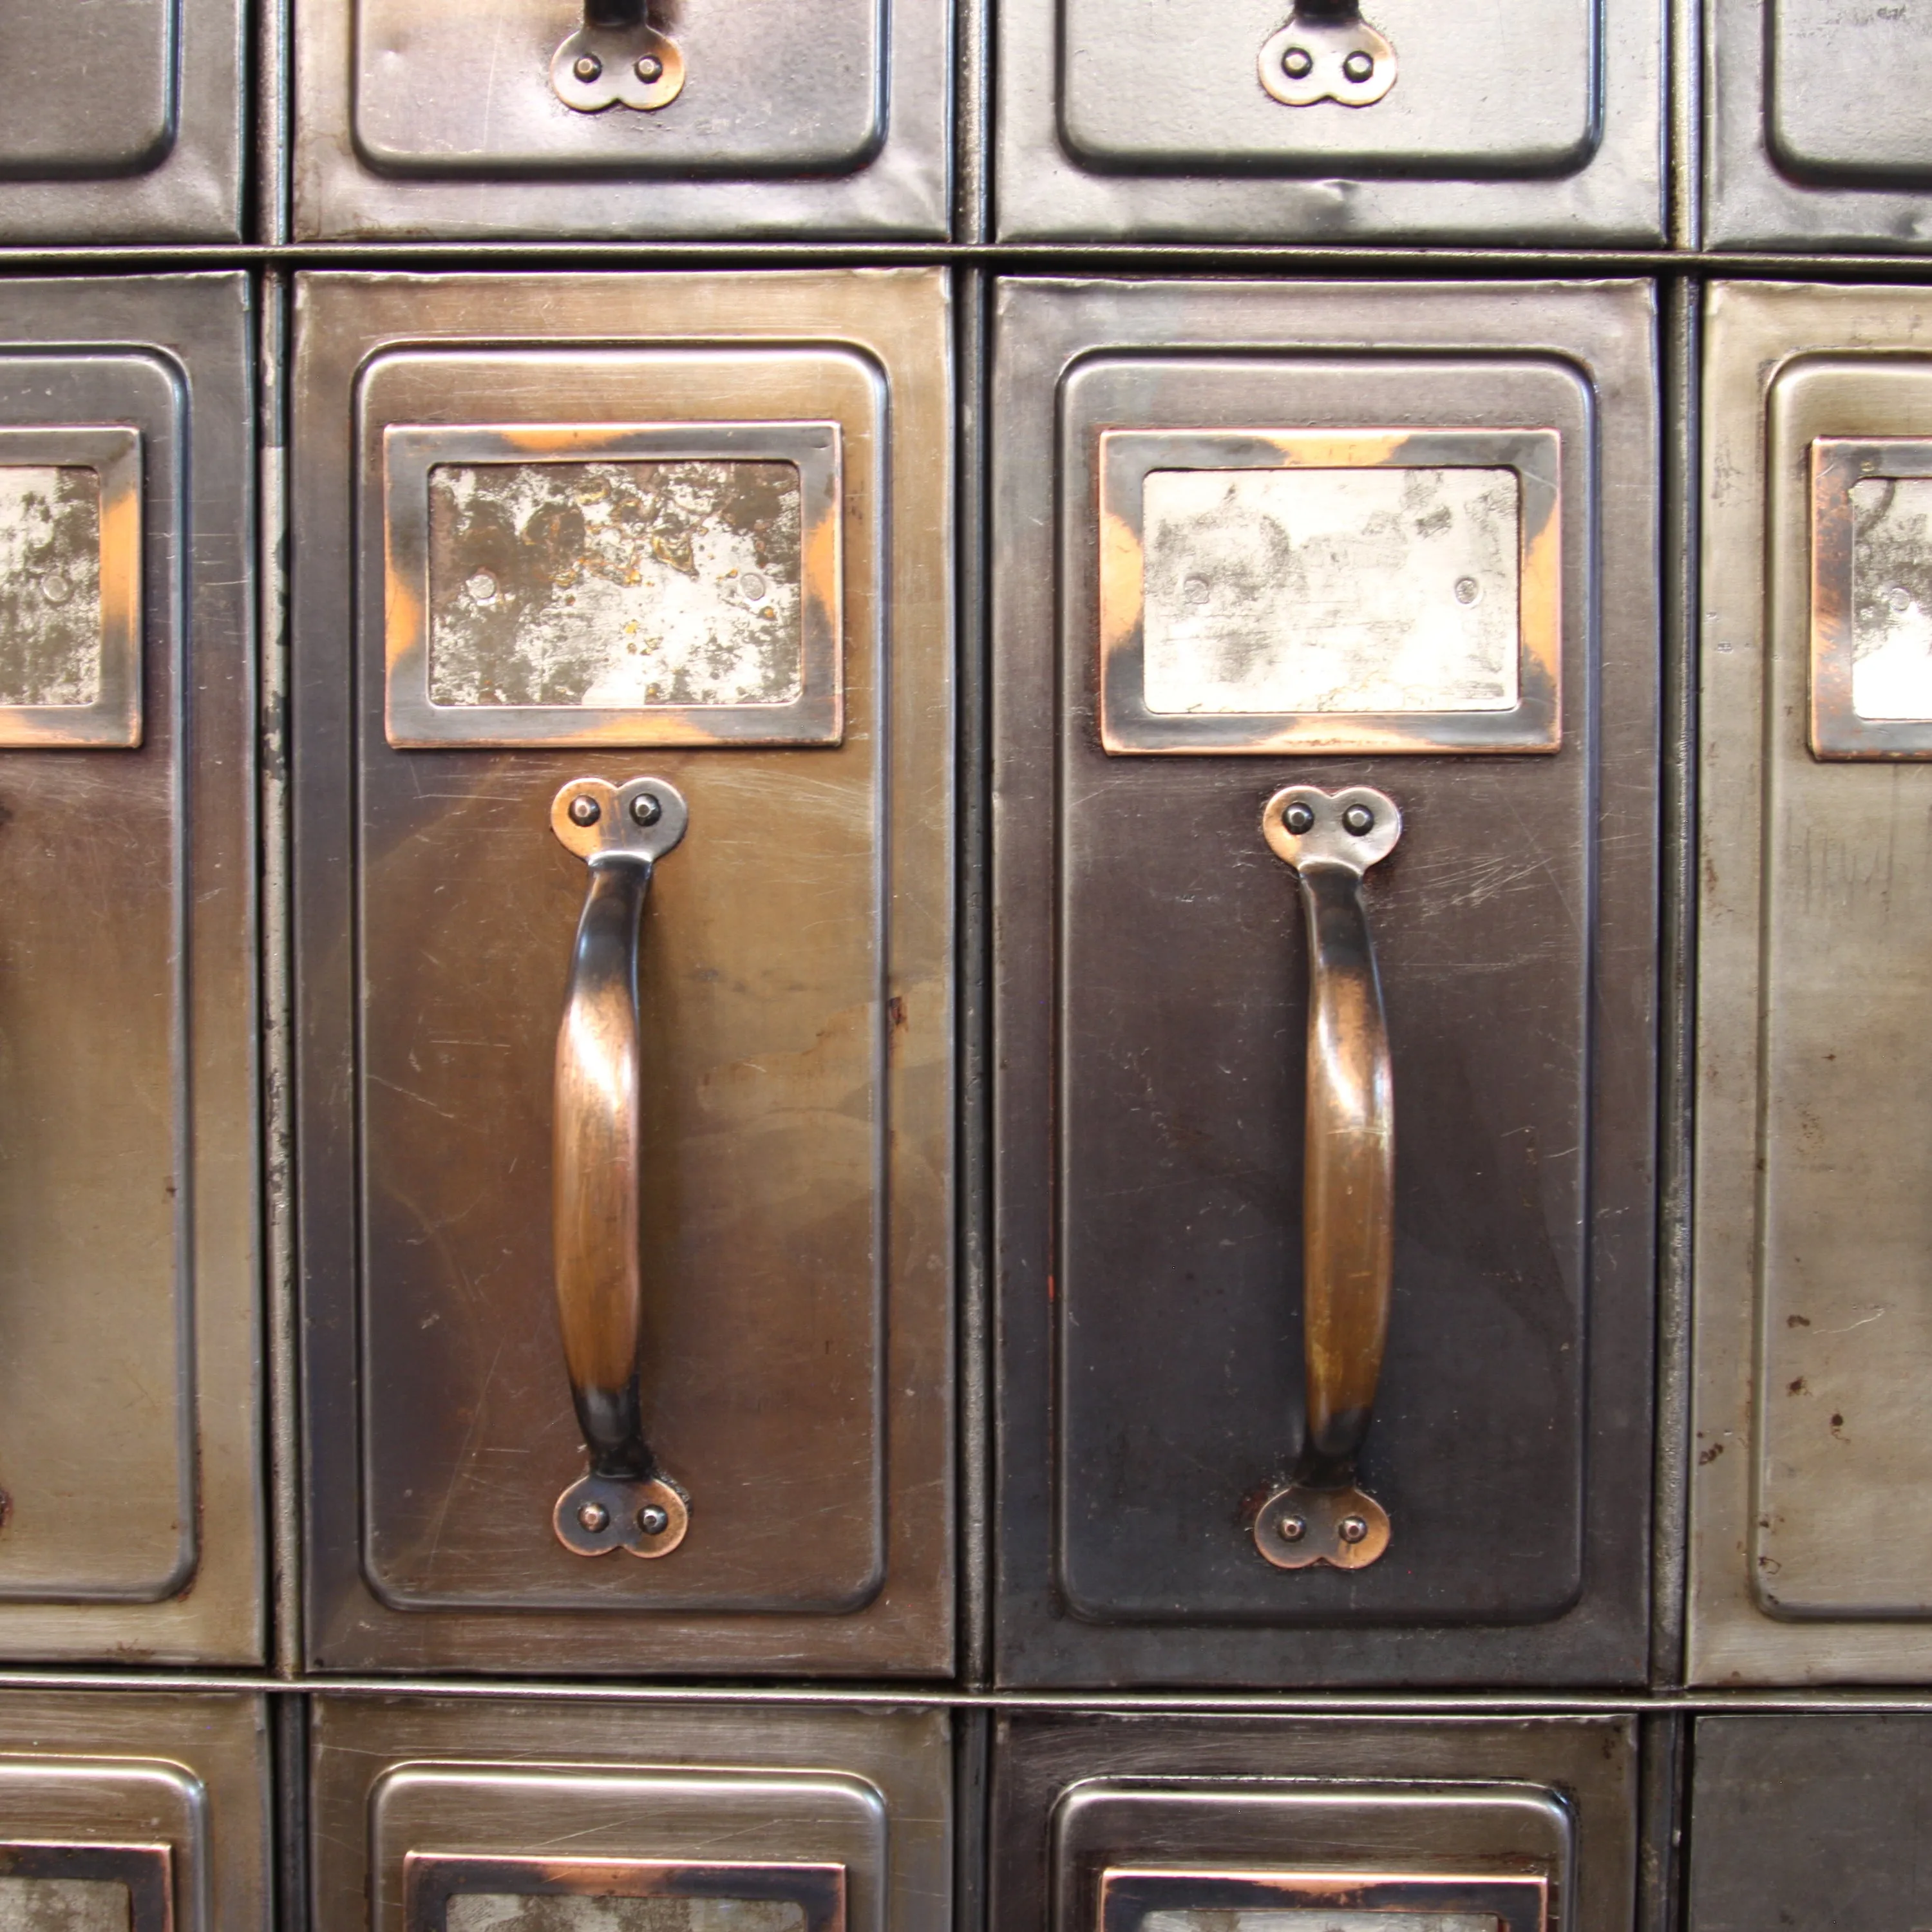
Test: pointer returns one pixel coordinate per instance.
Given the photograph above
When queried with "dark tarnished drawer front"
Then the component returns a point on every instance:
(1814, 136)
(705, 556)
(131, 1517)
(621, 117)
(1407, 619)
(1809, 1499)
(1107, 1824)
(1817, 1819)
(1253, 119)
(133, 1813)
(121, 121)
(451, 1817)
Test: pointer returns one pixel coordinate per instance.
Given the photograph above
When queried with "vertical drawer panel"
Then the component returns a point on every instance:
(1344, 553)
(672, 555)
(129, 1331)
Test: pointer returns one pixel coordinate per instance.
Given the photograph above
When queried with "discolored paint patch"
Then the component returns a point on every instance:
(1892, 597)
(615, 585)
(508, 1912)
(50, 629)
(1299, 590)
(64, 1904)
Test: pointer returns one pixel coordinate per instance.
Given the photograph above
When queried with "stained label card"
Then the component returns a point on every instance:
(50, 637)
(64, 1905)
(507, 1912)
(1263, 1920)
(1892, 597)
(615, 585)
(1331, 590)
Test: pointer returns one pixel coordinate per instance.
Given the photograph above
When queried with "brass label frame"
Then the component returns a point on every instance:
(1518, 1903)
(1838, 464)
(1127, 724)
(146, 1871)
(113, 720)
(430, 1880)
(414, 722)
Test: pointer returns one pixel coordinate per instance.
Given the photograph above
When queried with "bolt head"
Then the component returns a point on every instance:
(645, 809)
(585, 811)
(1296, 62)
(1352, 1528)
(593, 1516)
(1358, 66)
(654, 1519)
(1359, 819)
(587, 67)
(1298, 818)
(1291, 1528)
(649, 67)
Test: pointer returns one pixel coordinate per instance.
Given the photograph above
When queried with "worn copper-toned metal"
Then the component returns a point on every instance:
(1527, 715)
(71, 587)
(613, 584)
(431, 1879)
(144, 1873)
(1328, 52)
(620, 56)
(1871, 597)
(621, 832)
(1130, 1896)
(1348, 1223)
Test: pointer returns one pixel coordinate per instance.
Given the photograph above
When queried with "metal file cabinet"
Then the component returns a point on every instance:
(1808, 1520)
(133, 1812)
(434, 1816)
(1315, 1367)
(123, 120)
(131, 1526)
(621, 611)
(1175, 1824)
(620, 118)
(1330, 121)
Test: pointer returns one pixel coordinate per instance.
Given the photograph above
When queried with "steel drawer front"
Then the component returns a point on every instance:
(788, 1002)
(133, 1812)
(153, 153)
(607, 120)
(1167, 1821)
(1251, 120)
(129, 1332)
(448, 1813)
(1808, 1510)
(1154, 1263)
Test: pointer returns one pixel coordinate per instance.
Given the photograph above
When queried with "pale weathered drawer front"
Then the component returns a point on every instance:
(1153, 1236)
(706, 562)
(128, 1382)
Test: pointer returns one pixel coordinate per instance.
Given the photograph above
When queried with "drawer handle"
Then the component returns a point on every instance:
(1348, 1189)
(617, 59)
(1327, 51)
(625, 1501)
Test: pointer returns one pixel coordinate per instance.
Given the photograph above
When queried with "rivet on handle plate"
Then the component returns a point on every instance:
(1331, 839)
(625, 1502)
(617, 59)
(1327, 51)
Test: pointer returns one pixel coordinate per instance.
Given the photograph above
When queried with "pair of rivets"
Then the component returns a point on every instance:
(1298, 62)
(1351, 1529)
(645, 809)
(653, 1519)
(1299, 818)
(588, 67)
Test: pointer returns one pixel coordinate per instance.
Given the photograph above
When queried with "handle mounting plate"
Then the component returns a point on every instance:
(1298, 1527)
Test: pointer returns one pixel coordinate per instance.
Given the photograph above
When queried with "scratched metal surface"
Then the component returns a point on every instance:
(63, 1905)
(49, 585)
(1892, 597)
(614, 584)
(1293, 590)
(505, 1912)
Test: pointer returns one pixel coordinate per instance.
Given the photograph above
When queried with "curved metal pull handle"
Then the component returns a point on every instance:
(625, 1501)
(1348, 1178)
(1327, 51)
(617, 59)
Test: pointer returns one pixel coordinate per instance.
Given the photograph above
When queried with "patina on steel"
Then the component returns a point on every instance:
(619, 57)
(746, 1897)
(1331, 839)
(1328, 52)
(625, 1502)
